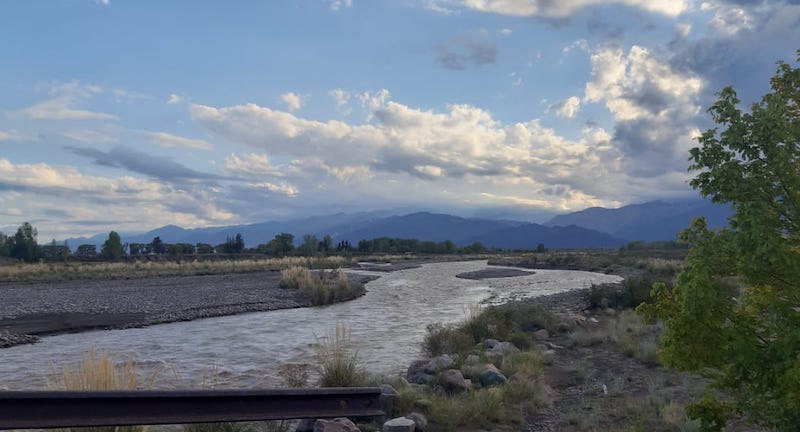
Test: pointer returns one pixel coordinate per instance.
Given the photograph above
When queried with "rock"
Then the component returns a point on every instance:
(453, 381)
(472, 371)
(439, 363)
(399, 424)
(541, 335)
(495, 358)
(389, 398)
(472, 359)
(491, 377)
(416, 373)
(340, 424)
(305, 425)
(505, 348)
(490, 343)
(420, 421)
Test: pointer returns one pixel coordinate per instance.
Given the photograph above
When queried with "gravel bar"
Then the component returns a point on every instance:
(29, 310)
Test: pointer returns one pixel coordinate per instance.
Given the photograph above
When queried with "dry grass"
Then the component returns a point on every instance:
(141, 269)
(338, 363)
(296, 277)
(628, 332)
(100, 371)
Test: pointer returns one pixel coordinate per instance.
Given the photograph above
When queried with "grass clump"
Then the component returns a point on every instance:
(446, 339)
(100, 371)
(296, 277)
(338, 364)
(324, 287)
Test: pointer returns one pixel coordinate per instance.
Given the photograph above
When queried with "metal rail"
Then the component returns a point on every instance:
(54, 409)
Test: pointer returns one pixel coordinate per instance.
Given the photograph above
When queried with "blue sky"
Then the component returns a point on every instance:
(130, 115)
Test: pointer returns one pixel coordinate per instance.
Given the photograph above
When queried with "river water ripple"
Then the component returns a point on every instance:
(244, 351)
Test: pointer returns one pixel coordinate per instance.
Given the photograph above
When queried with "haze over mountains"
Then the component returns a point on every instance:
(590, 228)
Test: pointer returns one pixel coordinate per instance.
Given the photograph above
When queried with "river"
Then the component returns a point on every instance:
(243, 351)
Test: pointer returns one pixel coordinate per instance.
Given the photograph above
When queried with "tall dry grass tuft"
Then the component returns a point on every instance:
(100, 371)
(337, 359)
(296, 277)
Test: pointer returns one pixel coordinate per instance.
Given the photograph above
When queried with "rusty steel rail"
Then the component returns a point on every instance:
(54, 409)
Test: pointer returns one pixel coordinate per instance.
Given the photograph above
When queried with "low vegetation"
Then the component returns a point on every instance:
(337, 361)
(100, 371)
(139, 269)
(321, 286)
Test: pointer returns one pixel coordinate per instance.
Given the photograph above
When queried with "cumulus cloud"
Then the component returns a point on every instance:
(654, 105)
(341, 100)
(293, 101)
(168, 140)
(126, 200)
(566, 108)
(462, 148)
(562, 9)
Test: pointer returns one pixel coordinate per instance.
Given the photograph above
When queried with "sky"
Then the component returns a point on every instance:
(130, 115)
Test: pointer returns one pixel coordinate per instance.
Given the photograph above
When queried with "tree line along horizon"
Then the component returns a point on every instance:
(23, 246)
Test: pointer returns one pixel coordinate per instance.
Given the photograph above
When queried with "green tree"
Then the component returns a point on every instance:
(157, 246)
(112, 249)
(5, 245)
(86, 251)
(204, 248)
(23, 244)
(734, 313)
(310, 245)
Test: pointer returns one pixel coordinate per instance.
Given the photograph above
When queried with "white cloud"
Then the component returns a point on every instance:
(293, 101)
(61, 109)
(562, 9)
(167, 140)
(62, 106)
(506, 31)
(12, 135)
(729, 20)
(566, 108)
(655, 106)
(463, 149)
(88, 136)
(341, 99)
(174, 99)
(126, 199)
(282, 188)
(337, 5)
(103, 2)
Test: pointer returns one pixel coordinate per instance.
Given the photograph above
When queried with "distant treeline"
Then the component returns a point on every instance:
(24, 246)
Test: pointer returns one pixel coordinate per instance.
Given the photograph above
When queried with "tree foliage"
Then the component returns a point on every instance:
(23, 244)
(734, 313)
(112, 248)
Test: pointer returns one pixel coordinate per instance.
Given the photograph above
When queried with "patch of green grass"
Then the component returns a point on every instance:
(337, 361)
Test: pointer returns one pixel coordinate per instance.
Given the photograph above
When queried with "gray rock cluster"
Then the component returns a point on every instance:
(11, 339)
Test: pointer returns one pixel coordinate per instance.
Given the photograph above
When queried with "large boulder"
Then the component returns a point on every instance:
(389, 397)
(541, 335)
(417, 374)
(453, 381)
(340, 424)
(491, 377)
(490, 343)
(439, 363)
(420, 421)
(495, 358)
(399, 424)
(305, 425)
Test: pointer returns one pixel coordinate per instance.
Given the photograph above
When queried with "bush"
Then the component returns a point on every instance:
(446, 339)
(338, 364)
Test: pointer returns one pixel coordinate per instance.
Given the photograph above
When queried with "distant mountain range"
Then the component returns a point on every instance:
(590, 228)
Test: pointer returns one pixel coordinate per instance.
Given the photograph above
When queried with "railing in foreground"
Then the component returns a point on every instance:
(53, 409)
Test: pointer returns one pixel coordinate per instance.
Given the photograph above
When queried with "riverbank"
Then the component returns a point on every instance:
(30, 310)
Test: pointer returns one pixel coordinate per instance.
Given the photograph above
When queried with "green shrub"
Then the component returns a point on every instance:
(446, 339)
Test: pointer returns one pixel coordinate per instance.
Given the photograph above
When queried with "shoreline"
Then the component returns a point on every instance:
(45, 309)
